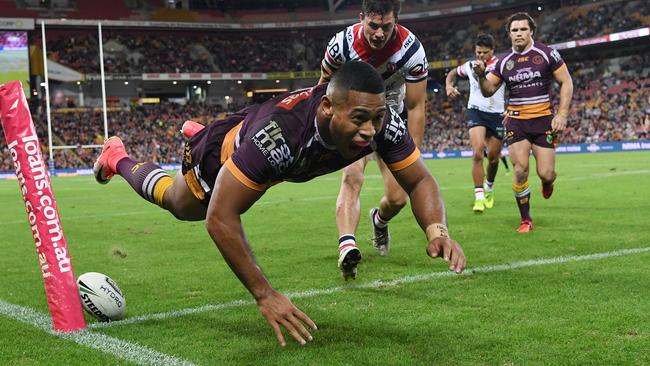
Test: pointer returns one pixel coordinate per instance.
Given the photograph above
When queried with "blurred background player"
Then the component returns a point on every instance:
(400, 59)
(528, 72)
(484, 116)
(229, 165)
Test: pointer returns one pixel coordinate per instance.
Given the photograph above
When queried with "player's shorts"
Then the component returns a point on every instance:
(202, 157)
(491, 121)
(536, 130)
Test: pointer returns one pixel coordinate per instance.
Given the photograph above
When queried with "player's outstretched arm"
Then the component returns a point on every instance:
(416, 102)
(429, 210)
(229, 200)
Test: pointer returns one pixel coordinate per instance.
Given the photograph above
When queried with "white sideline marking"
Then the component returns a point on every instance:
(378, 284)
(115, 347)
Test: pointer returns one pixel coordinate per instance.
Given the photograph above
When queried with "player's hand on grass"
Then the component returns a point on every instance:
(280, 311)
(452, 92)
(450, 251)
(558, 124)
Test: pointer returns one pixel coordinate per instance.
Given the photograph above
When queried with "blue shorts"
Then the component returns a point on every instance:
(491, 121)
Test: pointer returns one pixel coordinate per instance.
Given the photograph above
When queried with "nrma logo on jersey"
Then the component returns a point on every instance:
(273, 146)
(524, 75)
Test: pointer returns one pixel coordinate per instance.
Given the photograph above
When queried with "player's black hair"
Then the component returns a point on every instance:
(521, 16)
(381, 7)
(358, 76)
(485, 40)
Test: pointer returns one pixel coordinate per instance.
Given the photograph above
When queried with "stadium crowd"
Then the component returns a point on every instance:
(611, 103)
(129, 52)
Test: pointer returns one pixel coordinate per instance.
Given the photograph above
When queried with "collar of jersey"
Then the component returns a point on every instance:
(320, 139)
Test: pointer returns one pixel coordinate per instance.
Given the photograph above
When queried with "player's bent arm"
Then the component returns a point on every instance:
(429, 210)
(489, 84)
(451, 90)
(563, 78)
(325, 73)
(415, 102)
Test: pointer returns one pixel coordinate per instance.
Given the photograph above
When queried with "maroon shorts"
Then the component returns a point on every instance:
(536, 130)
(203, 154)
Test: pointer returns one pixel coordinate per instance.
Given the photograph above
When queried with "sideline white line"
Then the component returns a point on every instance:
(378, 284)
(115, 347)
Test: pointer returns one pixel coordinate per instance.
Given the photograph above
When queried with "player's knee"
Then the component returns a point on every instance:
(396, 201)
(546, 175)
(477, 155)
(521, 173)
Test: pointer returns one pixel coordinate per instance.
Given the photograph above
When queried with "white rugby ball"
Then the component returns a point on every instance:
(101, 297)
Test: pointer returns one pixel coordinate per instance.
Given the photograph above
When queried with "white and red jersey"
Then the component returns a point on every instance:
(495, 103)
(402, 60)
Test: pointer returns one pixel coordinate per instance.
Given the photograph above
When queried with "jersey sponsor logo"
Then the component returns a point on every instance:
(522, 59)
(395, 130)
(273, 146)
(524, 75)
(417, 70)
(510, 65)
(538, 60)
(290, 101)
(333, 50)
(409, 41)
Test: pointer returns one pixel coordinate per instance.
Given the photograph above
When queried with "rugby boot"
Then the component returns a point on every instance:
(190, 128)
(547, 190)
(479, 206)
(349, 258)
(489, 199)
(106, 165)
(380, 236)
(526, 226)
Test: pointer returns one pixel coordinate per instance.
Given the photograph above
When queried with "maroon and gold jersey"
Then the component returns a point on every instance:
(279, 141)
(529, 76)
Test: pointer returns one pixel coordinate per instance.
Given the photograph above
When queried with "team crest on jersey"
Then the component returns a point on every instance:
(538, 60)
(510, 65)
(395, 130)
(273, 146)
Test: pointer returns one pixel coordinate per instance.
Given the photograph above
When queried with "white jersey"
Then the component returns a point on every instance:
(495, 103)
(402, 60)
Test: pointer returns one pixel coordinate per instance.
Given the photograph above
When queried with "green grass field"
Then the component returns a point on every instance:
(403, 309)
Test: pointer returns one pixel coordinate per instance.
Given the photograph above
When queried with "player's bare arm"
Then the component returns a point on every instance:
(325, 73)
(415, 102)
(429, 210)
(563, 78)
(452, 92)
(489, 83)
(230, 199)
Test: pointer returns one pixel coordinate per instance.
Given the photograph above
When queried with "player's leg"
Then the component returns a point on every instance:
(348, 208)
(390, 205)
(477, 136)
(545, 157)
(519, 156)
(494, 145)
(149, 180)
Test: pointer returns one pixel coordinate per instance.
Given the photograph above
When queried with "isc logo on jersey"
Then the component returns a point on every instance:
(101, 297)
(273, 146)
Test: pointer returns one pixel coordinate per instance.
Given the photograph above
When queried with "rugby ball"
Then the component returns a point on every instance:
(101, 297)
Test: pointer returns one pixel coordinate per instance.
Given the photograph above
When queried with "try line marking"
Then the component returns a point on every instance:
(378, 284)
(113, 346)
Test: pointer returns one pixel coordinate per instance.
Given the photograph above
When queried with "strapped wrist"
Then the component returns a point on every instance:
(437, 230)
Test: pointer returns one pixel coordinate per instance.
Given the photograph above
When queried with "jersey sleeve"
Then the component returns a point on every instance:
(334, 56)
(417, 64)
(263, 155)
(463, 70)
(395, 145)
(495, 68)
(554, 58)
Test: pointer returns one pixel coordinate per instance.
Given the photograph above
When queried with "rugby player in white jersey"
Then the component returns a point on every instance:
(484, 116)
(400, 59)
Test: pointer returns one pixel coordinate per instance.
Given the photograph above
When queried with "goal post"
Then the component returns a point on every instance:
(42, 215)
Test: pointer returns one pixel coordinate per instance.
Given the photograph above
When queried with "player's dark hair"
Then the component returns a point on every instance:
(485, 40)
(381, 7)
(358, 76)
(521, 16)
